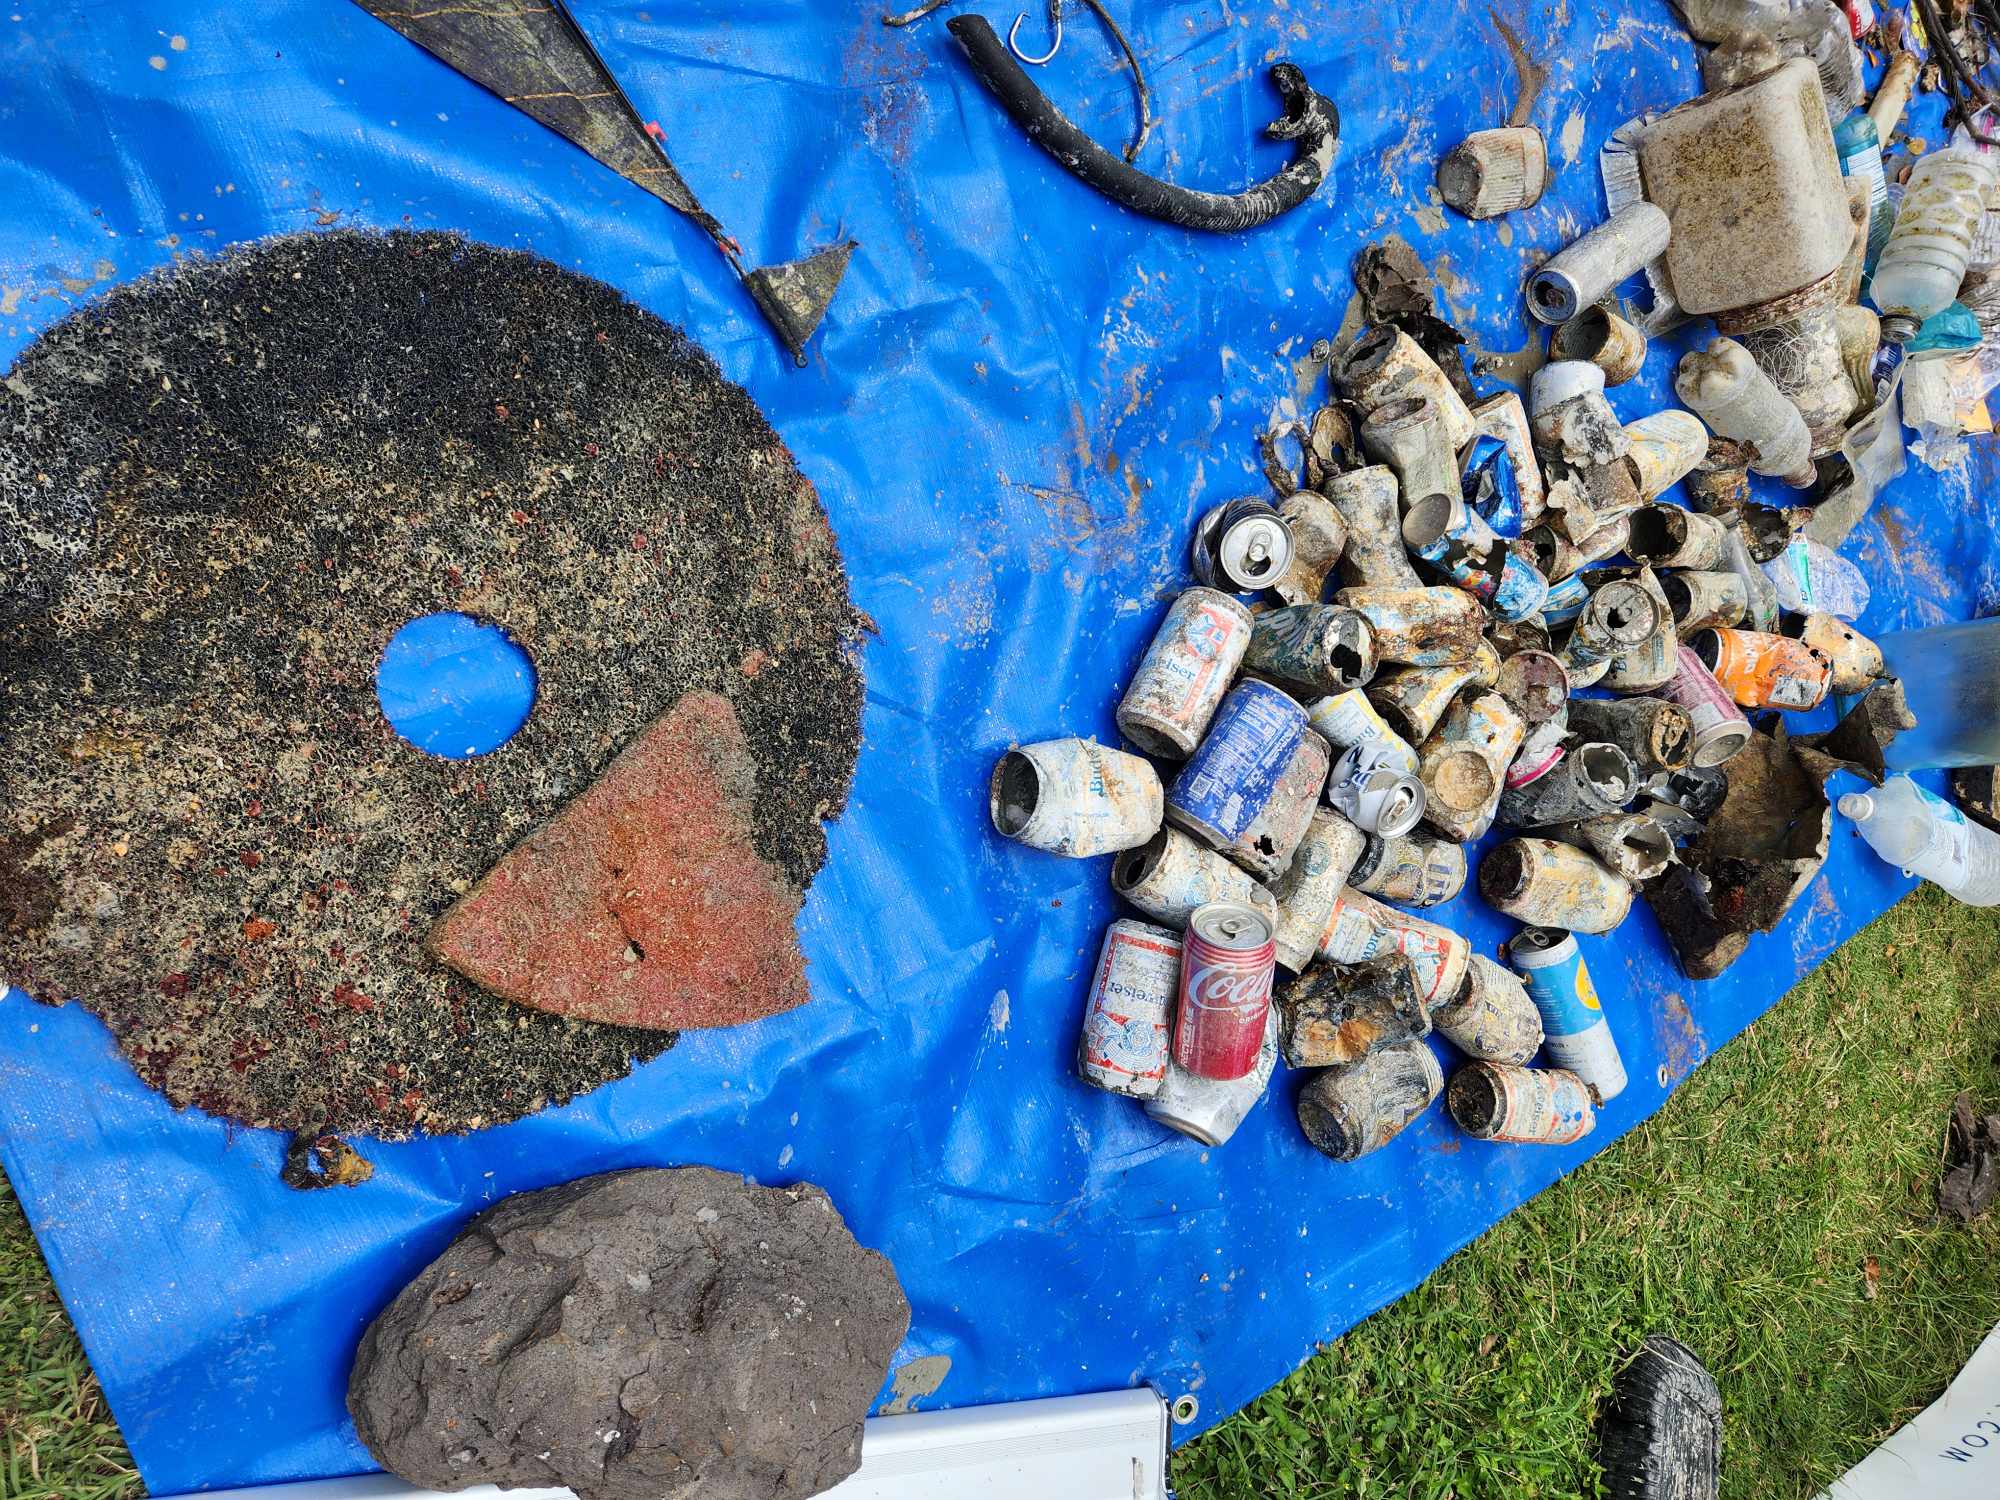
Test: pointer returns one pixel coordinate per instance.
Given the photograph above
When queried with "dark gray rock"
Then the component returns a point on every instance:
(643, 1335)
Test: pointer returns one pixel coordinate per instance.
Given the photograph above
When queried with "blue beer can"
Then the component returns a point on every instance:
(1565, 600)
(1234, 773)
(1576, 1034)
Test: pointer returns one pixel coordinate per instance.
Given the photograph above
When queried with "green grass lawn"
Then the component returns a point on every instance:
(1776, 1216)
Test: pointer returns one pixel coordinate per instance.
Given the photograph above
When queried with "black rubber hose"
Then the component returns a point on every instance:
(1310, 119)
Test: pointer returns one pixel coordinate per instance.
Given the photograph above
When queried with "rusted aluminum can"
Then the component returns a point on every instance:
(1265, 848)
(1362, 928)
(1577, 1035)
(1423, 627)
(1349, 719)
(1413, 437)
(1547, 883)
(1386, 365)
(1436, 524)
(1184, 673)
(1242, 546)
(1504, 417)
(1485, 664)
(1464, 764)
(1233, 775)
(1534, 684)
(1491, 1016)
(1620, 616)
(1599, 335)
(1227, 958)
(1511, 637)
(1074, 797)
(1666, 447)
(1319, 535)
(1720, 729)
(1348, 1112)
(1308, 892)
(1759, 670)
(1170, 876)
(1567, 598)
(1368, 788)
(1672, 536)
(1517, 589)
(1494, 172)
(1374, 556)
(1314, 648)
(1655, 735)
(1650, 664)
(1542, 750)
(1210, 1109)
(1855, 660)
(1700, 600)
(1337, 1014)
(1520, 1106)
(1628, 844)
(1413, 699)
(1588, 269)
(1123, 1047)
(1410, 869)
(1590, 780)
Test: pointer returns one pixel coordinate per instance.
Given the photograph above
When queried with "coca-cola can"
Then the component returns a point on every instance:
(1184, 673)
(1123, 1046)
(1227, 959)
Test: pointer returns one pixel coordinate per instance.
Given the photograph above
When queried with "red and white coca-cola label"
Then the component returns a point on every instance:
(1226, 987)
(1225, 999)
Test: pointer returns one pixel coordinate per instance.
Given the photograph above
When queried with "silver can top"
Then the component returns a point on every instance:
(1403, 805)
(1254, 551)
(1535, 947)
(1232, 926)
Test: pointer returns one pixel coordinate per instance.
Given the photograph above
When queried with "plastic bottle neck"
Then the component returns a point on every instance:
(1856, 807)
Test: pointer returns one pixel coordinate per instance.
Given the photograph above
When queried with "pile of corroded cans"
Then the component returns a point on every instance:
(1307, 768)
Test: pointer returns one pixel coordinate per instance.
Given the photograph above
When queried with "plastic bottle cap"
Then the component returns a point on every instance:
(1857, 806)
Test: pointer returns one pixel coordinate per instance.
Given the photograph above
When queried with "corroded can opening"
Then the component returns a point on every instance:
(1017, 793)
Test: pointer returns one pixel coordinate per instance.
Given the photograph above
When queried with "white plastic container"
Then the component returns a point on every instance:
(1726, 389)
(1922, 834)
(1929, 248)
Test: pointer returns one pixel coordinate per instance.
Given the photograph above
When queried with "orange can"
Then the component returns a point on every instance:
(1760, 670)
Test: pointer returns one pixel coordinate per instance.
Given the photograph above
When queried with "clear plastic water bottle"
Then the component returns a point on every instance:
(1931, 244)
(1922, 834)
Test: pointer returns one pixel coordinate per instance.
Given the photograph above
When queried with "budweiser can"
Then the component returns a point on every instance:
(1350, 1111)
(1233, 775)
(1520, 1106)
(1491, 1017)
(1318, 648)
(1308, 891)
(1169, 876)
(1210, 1109)
(1074, 797)
(1265, 848)
(1760, 670)
(1242, 546)
(1578, 1037)
(1553, 884)
(1410, 869)
(1720, 729)
(1227, 959)
(1123, 1048)
(1362, 928)
(1349, 719)
(1371, 792)
(1184, 673)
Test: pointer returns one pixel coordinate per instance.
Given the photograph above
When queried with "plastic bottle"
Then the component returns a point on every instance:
(1930, 246)
(1922, 834)
(1951, 681)
(1811, 577)
(1724, 387)
(1860, 148)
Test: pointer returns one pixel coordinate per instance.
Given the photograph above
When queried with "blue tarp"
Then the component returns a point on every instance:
(1022, 398)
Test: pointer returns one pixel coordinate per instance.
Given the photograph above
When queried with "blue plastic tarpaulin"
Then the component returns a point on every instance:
(1022, 398)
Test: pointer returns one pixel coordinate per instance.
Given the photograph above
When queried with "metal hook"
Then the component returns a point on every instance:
(1055, 45)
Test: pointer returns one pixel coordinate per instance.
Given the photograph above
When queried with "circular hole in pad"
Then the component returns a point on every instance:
(454, 686)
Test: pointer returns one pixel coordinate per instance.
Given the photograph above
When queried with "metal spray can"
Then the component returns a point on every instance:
(1227, 957)
(1363, 928)
(1265, 847)
(1349, 719)
(1369, 789)
(1234, 773)
(1760, 670)
(1184, 673)
(1308, 892)
(1491, 1016)
(1210, 1109)
(1242, 545)
(1074, 797)
(1547, 883)
(1720, 729)
(1578, 1037)
(1316, 648)
(1348, 1112)
(1123, 1046)
(1520, 1106)
(1169, 876)
(1409, 869)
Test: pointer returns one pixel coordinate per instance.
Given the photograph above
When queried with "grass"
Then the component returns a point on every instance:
(1776, 1216)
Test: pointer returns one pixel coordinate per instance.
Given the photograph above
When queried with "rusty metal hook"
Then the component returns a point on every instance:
(1055, 43)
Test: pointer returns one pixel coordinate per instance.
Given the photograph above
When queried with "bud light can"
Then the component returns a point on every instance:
(1227, 959)
(1576, 1034)
(1234, 775)
(1123, 1049)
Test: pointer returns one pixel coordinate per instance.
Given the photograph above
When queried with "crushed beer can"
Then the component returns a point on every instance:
(1362, 928)
(1317, 649)
(1075, 797)
(1265, 848)
(1589, 780)
(1319, 535)
(1577, 1035)
(1565, 600)
(1702, 599)
(1547, 883)
(1374, 556)
(1185, 673)
(1386, 364)
(1242, 546)
(1491, 1016)
(1422, 627)
(1126, 1019)
(1234, 773)
(1170, 876)
(1370, 789)
(1631, 845)
(1209, 1110)
(1489, 484)
(1534, 683)
(1224, 997)
(1519, 1106)
(1855, 660)
(1408, 869)
(1413, 699)
(1308, 892)
(1349, 719)
(1348, 1112)
(1672, 536)
(1335, 1014)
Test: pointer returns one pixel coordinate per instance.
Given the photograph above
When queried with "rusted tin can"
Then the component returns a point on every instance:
(1337, 1014)
(1608, 341)
(1413, 699)
(1590, 780)
(1759, 670)
(1620, 616)
(1666, 447)
(1577, 1035)
(1547, 883)
(1504, 417)
(1242, 546)
(1184, 673)
(1654, 734)
(1423, 627)
(1209, 1109)
(1349, 719)
(1265, 848)
(1410, 869)
(1520, 1106)
(1315, 649)
(1542, 750)
(1308, 892)
(1318, 537)
(1413, 437)
(1589, 268)
(1700, 600)
(1074, 797)
(1491, 1016)
(1123, 1047)
(1170, 876)
(1463, 764)
(1362, 928)
(1227, 957)
(1385, 365)
(1348, 1112)
(1720, 729)
(1374, 556)
(1855, 660)
(1511, 584)
(1369, 789)
(1233, 775)
(1672, 536)
(1628, 844)
(1534, 685)
(1494, 172)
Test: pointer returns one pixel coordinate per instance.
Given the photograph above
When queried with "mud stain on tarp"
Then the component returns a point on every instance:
(1680, 1042)
(914, 1381)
